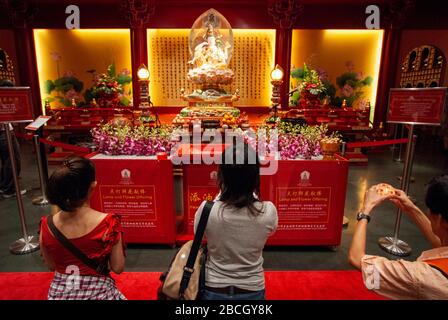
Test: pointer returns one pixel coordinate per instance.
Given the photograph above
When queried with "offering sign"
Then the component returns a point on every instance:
(303, 204)
(309, 197)
(424, 106)
(140, 191)
(135, 200)
(15, 104)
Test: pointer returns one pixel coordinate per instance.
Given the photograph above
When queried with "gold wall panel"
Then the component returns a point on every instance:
(331, 50)
(252, 62)
(62, 52)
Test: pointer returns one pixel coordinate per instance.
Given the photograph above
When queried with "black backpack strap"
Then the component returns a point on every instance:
(100, 268)
(189, 267)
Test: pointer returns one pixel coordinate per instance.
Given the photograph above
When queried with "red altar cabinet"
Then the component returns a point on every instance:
(308, 194)
(140, 190)
(199, 184)
(309, 197)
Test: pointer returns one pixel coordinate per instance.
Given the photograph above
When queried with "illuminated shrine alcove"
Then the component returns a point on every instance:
(423, 67)
(71, 63)
(341, 57)
(6, 67)
(252, 61)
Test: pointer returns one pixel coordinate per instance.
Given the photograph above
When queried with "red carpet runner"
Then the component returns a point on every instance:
(280, 285)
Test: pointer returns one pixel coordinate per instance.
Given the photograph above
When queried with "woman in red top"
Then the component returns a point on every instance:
(97, 235)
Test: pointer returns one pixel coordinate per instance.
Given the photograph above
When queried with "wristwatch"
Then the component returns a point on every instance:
(362, 215)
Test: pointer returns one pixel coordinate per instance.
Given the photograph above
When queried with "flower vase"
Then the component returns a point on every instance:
(119, 121)
(329, 149)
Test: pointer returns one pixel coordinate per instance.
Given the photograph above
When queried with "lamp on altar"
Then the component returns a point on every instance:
(143, 80)
(143, 73)
(145, 100)
(276, 81)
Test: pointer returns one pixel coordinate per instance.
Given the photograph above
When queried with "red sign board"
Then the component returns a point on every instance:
(310, 198)
(199, 184)
(15, 104)
(140, 190)
(424, 106)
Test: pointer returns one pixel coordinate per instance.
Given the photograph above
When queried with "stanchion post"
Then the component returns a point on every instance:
(41, 200)
(43, 154)
(345, 220)
(400, 148)
(392, 244)
(394, 146)
(27, 243)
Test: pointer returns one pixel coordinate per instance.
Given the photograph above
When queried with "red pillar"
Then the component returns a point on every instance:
(26, 56)
(283, 43)
(388, 71)
(139, 55)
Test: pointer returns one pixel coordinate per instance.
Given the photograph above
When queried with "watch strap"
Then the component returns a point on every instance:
(362, 215)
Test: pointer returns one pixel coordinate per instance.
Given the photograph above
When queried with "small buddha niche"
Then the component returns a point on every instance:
(6, 67)
(423, 67)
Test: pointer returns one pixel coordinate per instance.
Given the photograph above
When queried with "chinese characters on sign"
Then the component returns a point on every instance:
(137, 190)
(15, 104)
(416, 105)
(129, 200)
(196, 195)
(303, 207)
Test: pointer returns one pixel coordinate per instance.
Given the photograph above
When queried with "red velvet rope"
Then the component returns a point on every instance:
(62, 145)
(352, 145)
(24, 136)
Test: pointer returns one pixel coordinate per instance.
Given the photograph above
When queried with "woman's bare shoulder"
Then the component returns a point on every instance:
(100, 216)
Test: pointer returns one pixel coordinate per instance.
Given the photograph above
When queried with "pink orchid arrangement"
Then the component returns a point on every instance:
(291, 141)
(128, 140)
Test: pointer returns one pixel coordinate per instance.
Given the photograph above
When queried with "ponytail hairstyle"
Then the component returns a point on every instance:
(239, 177)
(68, 187)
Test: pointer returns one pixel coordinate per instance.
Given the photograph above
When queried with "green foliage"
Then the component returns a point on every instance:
(89, 95)
(297, 73)
(124, 101)
(110, 83)
(367, 81)
(329, 90)
(49, 86)
(63, 85)
(304, 130)
(124, 79)
(347, 78)
(295, 98)
(111, 71)
(351, 79)
(135, 132)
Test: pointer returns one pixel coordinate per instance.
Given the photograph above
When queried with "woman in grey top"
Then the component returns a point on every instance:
(237, 230)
